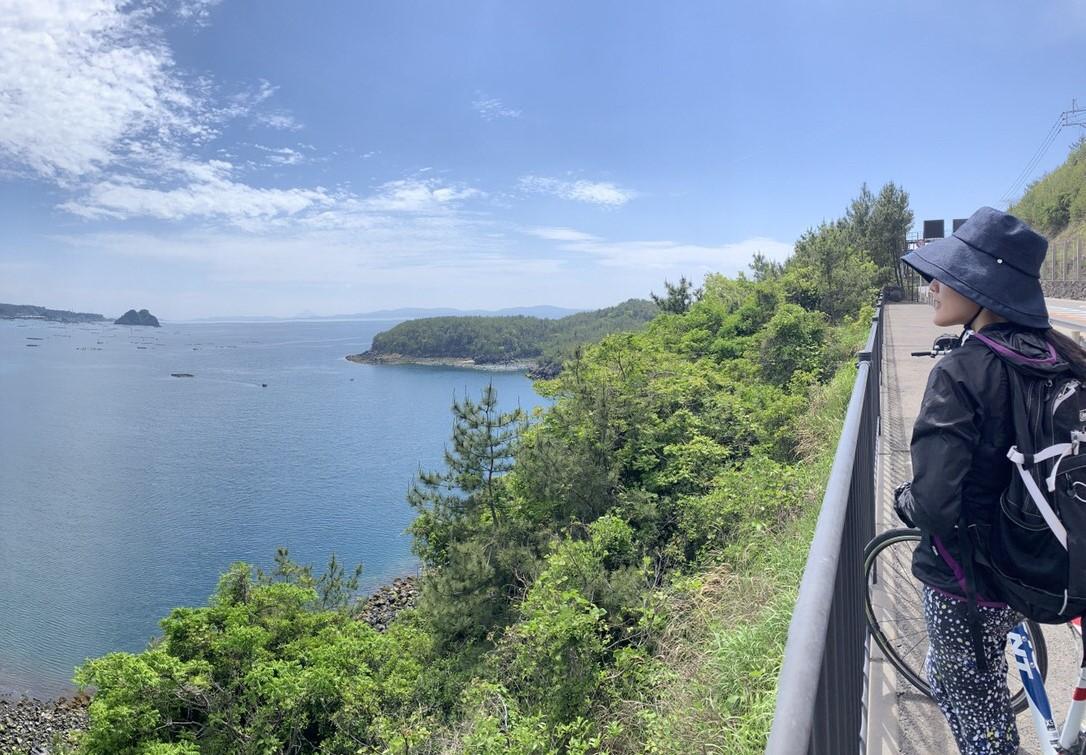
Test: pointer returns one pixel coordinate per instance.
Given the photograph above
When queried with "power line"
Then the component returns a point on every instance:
(1050, 137)
(1076, 116)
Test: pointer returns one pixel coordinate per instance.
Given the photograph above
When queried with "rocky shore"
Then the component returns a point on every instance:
(381, 608)
(29, 726)
(32, 727)
(370, 357)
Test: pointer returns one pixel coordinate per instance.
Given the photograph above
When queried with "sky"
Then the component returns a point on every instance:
(219, 158)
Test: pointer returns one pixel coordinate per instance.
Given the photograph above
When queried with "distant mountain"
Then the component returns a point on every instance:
(542, 311)
(33, 312)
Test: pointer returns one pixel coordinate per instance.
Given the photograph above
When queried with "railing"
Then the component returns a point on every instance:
(820, 691)
(1064, 262)
(913, 286)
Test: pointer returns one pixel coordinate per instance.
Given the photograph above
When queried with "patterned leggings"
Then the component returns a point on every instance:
(976, 704)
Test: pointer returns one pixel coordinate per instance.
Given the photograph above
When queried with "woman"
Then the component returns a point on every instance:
(985, 277)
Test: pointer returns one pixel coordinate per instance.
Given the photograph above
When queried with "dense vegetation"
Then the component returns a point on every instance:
(1057, 200)
(613, 574)
(489, 340)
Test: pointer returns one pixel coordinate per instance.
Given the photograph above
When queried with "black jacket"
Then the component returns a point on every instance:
(959, 450)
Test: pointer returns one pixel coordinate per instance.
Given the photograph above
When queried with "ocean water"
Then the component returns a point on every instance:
(125, 492)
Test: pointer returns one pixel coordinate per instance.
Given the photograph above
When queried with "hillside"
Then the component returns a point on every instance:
(33, 312)
(1055, 204)
(499, 340)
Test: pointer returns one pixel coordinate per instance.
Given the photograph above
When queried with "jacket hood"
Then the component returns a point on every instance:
(1025, 349)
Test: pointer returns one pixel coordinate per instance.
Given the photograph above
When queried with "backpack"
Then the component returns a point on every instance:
(1035, 550)
(1036, 547)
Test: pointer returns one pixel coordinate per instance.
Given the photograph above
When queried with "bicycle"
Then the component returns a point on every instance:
(892, 605)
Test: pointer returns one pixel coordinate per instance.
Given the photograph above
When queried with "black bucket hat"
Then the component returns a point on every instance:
(995, 260)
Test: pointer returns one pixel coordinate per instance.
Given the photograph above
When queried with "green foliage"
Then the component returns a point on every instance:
(1058, 199)
(678, 297)
(829, 273)
(461, 532)
(257, 670)
(792, 346)
(334, 590)
(502, 339)
(878, 226)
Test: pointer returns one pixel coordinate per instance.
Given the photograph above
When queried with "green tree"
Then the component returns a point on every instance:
(886, 232)
(472, 552)
(829, 273)
(765, 269)
(469, 488)
(677, 297)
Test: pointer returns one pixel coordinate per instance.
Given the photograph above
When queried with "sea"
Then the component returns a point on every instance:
(126, 491)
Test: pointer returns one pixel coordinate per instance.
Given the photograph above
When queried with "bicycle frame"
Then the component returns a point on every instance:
(1053, 740)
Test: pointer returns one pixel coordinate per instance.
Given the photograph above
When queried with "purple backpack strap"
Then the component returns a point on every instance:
(1013, 356)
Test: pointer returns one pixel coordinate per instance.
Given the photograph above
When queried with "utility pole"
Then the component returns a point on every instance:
(1076, 116)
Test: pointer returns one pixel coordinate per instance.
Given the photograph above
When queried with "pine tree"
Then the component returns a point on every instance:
(467, 493)
(461, 534)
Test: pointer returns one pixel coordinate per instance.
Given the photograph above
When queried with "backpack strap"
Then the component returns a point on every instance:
(1034, 489)
(976, 634)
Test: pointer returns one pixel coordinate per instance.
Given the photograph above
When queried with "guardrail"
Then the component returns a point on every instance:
(820, 691)
(1076, 328)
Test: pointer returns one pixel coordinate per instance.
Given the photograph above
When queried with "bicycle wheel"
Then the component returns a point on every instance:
(894, 607)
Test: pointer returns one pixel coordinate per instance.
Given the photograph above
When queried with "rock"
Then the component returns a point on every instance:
(381, 608)
(29, 726)
(132, 317)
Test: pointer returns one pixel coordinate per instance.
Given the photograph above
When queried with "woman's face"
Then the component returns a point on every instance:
(951, 308)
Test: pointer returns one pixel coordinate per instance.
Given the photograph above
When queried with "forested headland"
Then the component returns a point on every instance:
(34, 312)
(614, 574)
(545, 343)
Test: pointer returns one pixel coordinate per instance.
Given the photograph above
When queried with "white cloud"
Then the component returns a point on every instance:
(281, 155)
(279, 120)
(79, 81)
(666, 255)
(492, 109)
(91, 99)
(415, 196)
(215, 196)
(196, 10)
(209, 191)
(601, 193)
(561, 234)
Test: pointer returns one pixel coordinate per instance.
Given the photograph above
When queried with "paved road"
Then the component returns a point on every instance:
(1067, 311)
(901, 721)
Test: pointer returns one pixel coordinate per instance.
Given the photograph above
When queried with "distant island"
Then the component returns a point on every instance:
(535, 344)
(132, 317)
(33, 312)
(409, 313)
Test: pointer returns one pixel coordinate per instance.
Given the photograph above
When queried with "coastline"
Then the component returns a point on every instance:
(368, 357)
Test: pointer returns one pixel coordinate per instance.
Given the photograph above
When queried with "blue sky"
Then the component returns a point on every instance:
(223, 158)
